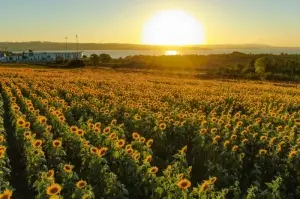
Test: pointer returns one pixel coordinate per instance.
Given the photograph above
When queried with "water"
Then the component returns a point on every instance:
(125, 53)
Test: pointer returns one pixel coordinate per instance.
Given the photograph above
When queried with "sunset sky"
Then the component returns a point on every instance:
(272, 22)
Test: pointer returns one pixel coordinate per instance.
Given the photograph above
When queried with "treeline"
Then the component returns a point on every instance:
(235, 65)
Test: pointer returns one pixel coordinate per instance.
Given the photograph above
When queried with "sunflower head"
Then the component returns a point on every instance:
(148, 159)
(80, 132)
(142, 139)
(262, 152)
(94, 150)
(102, 151)
(37, 143)
(184, 184)
(292, 154)
(153, 170)
(204, 186)
(7, 194)
(212, 180)
(135, 135)
(20, 122)
(68, 168)
(81, 184)
(106, 130)
(129, 151)
(149, 143)
(98, 124)
(235, 148)
(73, 129)
(50, 174)
(162, 126)
(120, 143)
(53, 189)
(56, 143)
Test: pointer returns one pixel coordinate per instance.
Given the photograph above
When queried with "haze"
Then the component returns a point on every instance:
(268, 22)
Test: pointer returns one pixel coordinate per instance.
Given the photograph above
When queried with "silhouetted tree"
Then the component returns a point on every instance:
(94, 59)
(104, 58)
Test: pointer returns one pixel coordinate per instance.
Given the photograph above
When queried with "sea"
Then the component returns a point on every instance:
(125, 53)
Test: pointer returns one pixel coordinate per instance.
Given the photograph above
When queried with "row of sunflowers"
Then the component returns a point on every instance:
(5, 170)
(87, 134)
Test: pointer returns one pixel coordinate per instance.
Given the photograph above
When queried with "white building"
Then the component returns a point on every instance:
(40, 56)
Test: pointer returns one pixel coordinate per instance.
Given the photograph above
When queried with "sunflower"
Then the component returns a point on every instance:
(120, 143)
(233, 137)
(102, 151)
(136, 156)
(68, 168)
(216, 139)
(262, 152)
(94, 150)
(2, 138)
(148, 159)
(42, 119)
(128, 146)
(204, 186)
(37, 143)
(53, 189)
(80, 132)
(56, 143)
(235, 148)
(183, 149)
(27, 125)
(20, 122)
(162, 126)
(137, 117)
(245, 140)
(212, 180)
(226, 143)
(7, 194)
(184, 184)
(263, 138)
(149, 143)
(292, 154)
(113, 122)
(50, 174)
(153, 170)
(126, 114)
(112, 136)
(142, 139)
(214, 130)
(240, 123)
(97, 130)
(3, 148)
(98, 124)
(81, 184)
(2, 154)
(203, 131)
(129, 151)
(135, 136)
(90, 125)
(106, 130)
(73, 129)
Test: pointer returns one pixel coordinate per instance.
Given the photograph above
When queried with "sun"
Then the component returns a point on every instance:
(173, 27)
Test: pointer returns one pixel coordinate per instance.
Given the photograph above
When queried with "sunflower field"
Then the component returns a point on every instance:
(105, 134)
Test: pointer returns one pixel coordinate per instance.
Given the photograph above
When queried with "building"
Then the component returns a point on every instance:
(39, 56)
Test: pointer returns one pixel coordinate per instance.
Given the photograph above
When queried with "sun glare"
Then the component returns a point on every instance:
(173, 27)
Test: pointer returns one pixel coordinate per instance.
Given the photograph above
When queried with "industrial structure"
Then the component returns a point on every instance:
(38, 56)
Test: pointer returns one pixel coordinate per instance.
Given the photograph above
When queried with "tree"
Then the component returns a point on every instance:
(94, 59)
(260, 65)
(105, 58)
